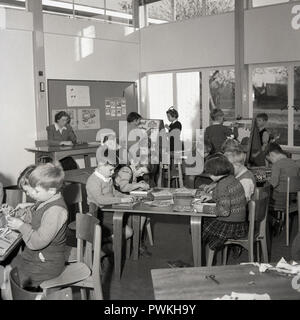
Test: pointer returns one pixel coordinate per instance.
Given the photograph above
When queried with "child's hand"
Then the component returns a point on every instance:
(143, 185)
(209, 187)
(205, 198)
(167, 127)
(24, 205)
(14, 223)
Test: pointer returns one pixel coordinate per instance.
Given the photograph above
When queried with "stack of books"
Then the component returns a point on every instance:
(140, 193)
(162, 194)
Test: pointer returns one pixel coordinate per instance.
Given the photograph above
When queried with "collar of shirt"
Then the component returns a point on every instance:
(242, 172)
(174, 121)
(57, 128)
(100, 176)
(55, 197)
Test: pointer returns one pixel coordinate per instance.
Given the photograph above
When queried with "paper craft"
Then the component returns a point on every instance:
(245, 296)
(78, 96)
(162, 195)
(88, 119)
(184, 192)
(160, 203)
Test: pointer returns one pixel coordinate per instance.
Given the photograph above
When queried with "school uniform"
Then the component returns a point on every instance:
(230, 209)
(45, 237)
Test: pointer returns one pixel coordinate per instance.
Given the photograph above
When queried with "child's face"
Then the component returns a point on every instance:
(41, 194)
(170, 118)
(28, 189)
(260, 122)
(106, 170)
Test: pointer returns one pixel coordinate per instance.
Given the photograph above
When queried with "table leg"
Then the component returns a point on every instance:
(87, 161)
(136, 235)
(196, 240)
(117, 242)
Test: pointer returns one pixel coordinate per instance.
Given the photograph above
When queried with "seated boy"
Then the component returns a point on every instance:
(45, 234)
(217, 133)
(101, 191)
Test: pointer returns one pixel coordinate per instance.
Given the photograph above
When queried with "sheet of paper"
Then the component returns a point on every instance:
(78, 96)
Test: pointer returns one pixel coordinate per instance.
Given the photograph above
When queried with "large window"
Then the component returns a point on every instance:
(270, 86)
(222, 91)
(219, 6)
(161, 11)
(186, 9)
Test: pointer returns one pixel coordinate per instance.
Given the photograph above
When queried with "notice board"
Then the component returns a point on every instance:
(92, 105)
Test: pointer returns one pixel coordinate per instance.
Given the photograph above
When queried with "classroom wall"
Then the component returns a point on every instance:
(74, 49)
(17, 104)
(209, 41)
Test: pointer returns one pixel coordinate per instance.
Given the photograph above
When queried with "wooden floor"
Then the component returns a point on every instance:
(172, 241)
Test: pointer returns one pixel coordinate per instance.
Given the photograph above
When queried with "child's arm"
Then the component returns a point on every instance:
(52, 221)
(123, 178)
(265, 140)
(274, 180)
(222, 205)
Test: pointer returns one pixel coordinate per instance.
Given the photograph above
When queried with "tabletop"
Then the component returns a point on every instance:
(63, 148)
(79, 175)
(192, 284)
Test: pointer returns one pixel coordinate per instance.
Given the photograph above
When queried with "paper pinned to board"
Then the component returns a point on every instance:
(78, 96)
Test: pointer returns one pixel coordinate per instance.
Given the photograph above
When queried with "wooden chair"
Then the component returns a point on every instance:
(292, 186)
(86, 272)
(72, 193)
(257, 216)
(13, 196)
(18, 293)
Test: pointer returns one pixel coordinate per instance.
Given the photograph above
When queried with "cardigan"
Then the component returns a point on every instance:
(55, 137)
(230, 200)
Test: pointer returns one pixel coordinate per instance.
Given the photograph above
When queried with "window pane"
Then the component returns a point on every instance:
(188, 100)
(219, 6)
(161, 11)
(186, 9)
(297, 104)
(260, 3)
(271, 97)
(160, 95)
(222, 91)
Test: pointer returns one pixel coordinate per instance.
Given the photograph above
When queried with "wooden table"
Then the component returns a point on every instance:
(191, 284)
(143, 209)
(12, 247)
(59, 152)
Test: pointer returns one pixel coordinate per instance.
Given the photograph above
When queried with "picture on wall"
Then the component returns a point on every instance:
(71, 112)
(243, 126)
(115, 108)
(78, 96)
(88, 119)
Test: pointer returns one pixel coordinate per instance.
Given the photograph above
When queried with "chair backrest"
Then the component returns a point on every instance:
(13, 196)
(258, 208)
(293, 184)
(88, 234)
(72, 194)
(18, 293)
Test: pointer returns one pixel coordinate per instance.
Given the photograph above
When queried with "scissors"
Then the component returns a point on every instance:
(213, 278)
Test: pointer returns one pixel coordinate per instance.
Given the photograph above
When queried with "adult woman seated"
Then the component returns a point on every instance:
(61, 134)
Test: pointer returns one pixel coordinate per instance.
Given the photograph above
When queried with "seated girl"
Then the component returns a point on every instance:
(230, 208)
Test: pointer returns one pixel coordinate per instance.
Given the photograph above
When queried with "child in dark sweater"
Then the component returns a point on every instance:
(230, 208)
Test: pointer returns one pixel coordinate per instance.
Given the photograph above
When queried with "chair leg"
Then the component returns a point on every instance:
(258, 251)
(149, 232)
(251, 252)
(129, 240)
(264, 250)
(225, 252)
(83, 294)
(287, 216)
(211, 254)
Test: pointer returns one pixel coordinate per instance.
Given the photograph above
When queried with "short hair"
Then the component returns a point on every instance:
(262, 116)
(274, 147)
(216, 114)
(133, 116)
(229, 145)
(218, 166)
(48, 175)
(24, 176)
(173, 112)
(61, 114)
(236, 156)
